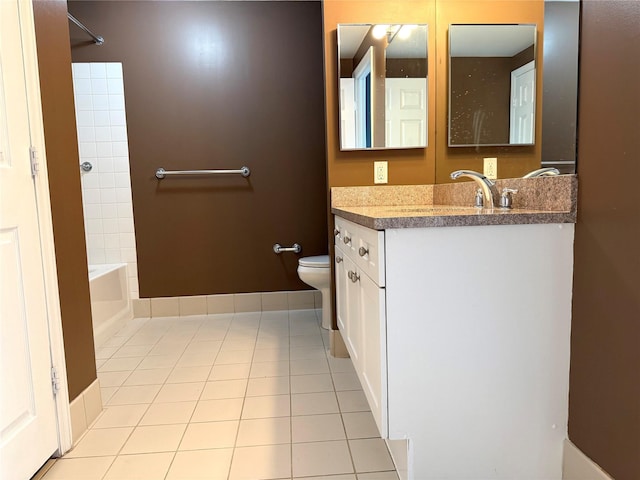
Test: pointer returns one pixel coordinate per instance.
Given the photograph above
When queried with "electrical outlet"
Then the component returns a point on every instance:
(491, 168)
(380, 172)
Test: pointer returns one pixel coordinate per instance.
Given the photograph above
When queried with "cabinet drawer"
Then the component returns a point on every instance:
(364, 246)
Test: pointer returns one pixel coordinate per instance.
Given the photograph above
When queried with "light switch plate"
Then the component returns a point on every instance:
(380, 172)
(491, 168)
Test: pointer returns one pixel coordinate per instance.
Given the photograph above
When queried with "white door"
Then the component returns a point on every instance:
(406, 112)
(28, 429)
(347, 114)
(523, 102)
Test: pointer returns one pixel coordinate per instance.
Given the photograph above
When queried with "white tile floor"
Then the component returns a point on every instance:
(244, 396)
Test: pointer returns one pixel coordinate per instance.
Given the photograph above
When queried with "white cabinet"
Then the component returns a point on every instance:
(361, 310)
(460, 339)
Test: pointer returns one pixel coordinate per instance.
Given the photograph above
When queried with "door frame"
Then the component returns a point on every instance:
(45, 223)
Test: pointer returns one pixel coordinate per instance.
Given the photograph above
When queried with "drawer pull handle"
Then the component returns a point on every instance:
(353, 276)
(346, 240)
(363, 251)
(336, 232)
(338, 259)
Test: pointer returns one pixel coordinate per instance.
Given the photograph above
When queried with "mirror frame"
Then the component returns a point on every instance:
(452, 115)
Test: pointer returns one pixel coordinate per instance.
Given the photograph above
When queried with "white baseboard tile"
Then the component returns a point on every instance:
(85, 409)
(226, 303)
(577, 466)
(399, 451)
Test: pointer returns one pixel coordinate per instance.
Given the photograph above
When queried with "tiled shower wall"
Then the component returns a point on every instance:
(106, 189)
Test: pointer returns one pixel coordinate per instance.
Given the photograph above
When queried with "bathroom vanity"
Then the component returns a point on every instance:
(458, 321)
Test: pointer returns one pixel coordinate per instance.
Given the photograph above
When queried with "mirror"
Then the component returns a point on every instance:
(492, 85)
(383, 86)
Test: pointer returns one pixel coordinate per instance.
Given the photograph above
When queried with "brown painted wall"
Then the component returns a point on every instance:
(219, 85)
(54, 62)
(512, 161)
(604, 395)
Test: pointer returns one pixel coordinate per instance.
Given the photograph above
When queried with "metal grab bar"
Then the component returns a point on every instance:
(161, 172)
(96, 38)
(296, 248)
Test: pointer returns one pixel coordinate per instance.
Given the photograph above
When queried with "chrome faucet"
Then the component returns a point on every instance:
(489, 190)
(543, 172)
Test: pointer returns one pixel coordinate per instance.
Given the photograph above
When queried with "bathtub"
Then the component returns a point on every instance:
(110, 300)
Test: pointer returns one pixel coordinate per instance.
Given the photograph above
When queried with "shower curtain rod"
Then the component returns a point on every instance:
(96, 38)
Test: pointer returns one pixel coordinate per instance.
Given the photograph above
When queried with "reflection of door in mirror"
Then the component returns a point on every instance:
(364, 100)
(523, 100)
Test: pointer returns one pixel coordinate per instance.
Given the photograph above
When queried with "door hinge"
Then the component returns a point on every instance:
(33, 156)
(55, 380)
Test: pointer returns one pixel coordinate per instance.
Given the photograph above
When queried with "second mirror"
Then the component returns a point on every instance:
(382, 86)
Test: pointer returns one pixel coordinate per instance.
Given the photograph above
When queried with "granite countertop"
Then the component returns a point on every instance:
(540, 200)
(417, 216)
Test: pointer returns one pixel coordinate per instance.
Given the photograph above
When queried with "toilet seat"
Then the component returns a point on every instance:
(317, 261)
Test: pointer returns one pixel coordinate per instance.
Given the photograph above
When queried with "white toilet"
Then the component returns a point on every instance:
(315, 272)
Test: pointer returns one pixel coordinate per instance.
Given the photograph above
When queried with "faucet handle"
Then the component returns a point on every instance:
(479, 201)
(506, 199)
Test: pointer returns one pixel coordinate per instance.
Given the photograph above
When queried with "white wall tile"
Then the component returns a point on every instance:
(102, 119)
(87, 150)
(87, 134)
(118, 134)
(98, 70)
(125, 210)
(93, 211)
(111, 240)
(127, 240)
(121, 165)
(84, 103)
(91, 195)
(121, 149)
(122, 180)
(84, 118)
(115, 86)
(104, 162)
(99, 86)
(110, 210)
(81, 70)
(114, 70)
(112, 255)
(93, 226)
(89, 179)
(116, 102)
(128, 254)
(125, 225)
(123, 194)
(111, 225)
(107, 180)
(117, 117)
(96, 240)
(104, 150)
(100, 102)
(102, 134)
(108, 195)
(82, 86)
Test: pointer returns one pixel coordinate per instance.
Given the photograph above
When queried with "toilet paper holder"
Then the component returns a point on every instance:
(296, 248)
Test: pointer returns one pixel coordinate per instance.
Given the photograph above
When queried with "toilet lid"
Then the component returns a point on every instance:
(317, 261)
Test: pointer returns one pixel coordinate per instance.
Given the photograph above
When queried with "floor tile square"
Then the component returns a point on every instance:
(269, 369)
(120, 416)
(121, 364)
(217, 410)
(360, 425)
(353, 401)
(113, 379)
(309, 366)
(134, 395)
(154, 376)
(199, 436)
(230, 372)
(168, 413)
(224, 389)
(377, 476)
(152, 466)
(268, 386)
(132, 351)
(264, 462)
(154, 438)
(370, 455)
(234, 356)
(313, 403)
(189, 374)
(317, 428)
(179, 392)
(306, 341)
(346, 381)
(267, 407)
(321, 458)
(264, 431)
(100, 442)
(311, 383)
(158, 361)
(92, 468)
(201, 465)
(340, 365)
(319, 351)
(271, 355)
(195, 359)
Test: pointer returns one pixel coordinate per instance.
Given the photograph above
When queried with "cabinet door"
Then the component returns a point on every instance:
(373, 350)
(353, 338)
